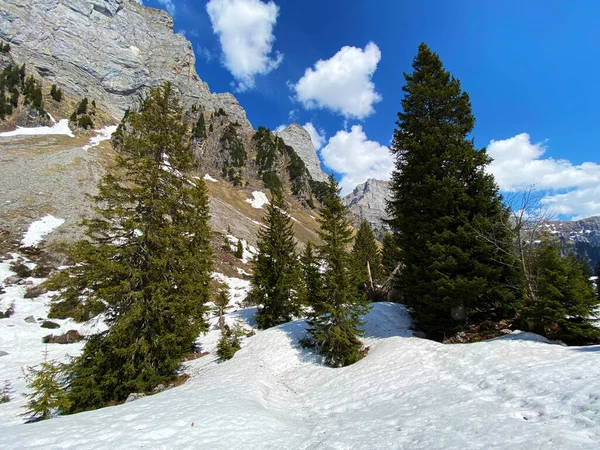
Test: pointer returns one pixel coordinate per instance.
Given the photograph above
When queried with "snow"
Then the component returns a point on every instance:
(23, 341)
(101, 135)
(249, 251)
(258, 200)
(62, 127)
(238, 288)
(207, 177)
(514, 392)
(40, 228)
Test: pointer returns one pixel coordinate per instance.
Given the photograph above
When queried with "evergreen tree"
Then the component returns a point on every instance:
(229, 343)
(221, 303)
(566, 302)
(146, 261)
(390, 254)
(442, 199)
(313, 281)
(366, 256)
(239, 250)
(82, 108)
(597, 274)
(49, 394)
(56, 93)
(200, 128)
(335, 322)
(276, 270)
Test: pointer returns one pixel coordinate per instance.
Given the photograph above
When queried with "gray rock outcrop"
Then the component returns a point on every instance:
(368, 202)
(298, 138)
(110, 51)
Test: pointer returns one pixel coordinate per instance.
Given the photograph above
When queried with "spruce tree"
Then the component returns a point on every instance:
(565, 302)
(335, 322)
(442, 200)
(48, 391)
(390, 254)
(312, 279)
(146, 262)
(366, 256)
(597, 274)
(239, 249)
(221, 302)
(276, 270)
(200, 128)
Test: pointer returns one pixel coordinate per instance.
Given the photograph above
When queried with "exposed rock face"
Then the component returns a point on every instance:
(581, 237)
(110, 51)
(368, 202)
(299, 139)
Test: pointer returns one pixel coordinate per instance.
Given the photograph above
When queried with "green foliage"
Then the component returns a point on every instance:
(234, 149)
(221, 112)
(199, 131)
(442, 200)
(276, 271)
(597, 274)
(210, 128)
(85, 122)
(390, 254)
(239, 250)
(82, 108)
(5, 392)
(319, 189)
(5, 48)
(336, 319)
(312, 278)
(229, 343)
(365, 251)
(32, 91)
(56, 93)
(221, 302)
(48, 391)
(266, 157)
(147, 259)
(566, 301)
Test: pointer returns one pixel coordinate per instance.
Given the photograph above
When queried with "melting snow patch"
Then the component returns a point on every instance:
(238, 288)
(40, 228)
(259, 199)
(102, 135)
(249, 250)
(207, 177)
(62, 127)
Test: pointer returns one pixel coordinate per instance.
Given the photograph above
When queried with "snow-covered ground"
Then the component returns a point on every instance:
(207, 177)
(515, 392)
(61, 127)
(40, 228)
(101, 135)
(249, 251)
(258, 200)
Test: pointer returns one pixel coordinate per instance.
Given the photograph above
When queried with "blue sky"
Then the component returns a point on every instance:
(531, 69)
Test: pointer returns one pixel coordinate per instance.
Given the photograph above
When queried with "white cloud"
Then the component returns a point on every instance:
(316, 136)
(168, 5)
(280, 128)
(351, 154)
(245, 30)
(342, 83)
(519, 163)
(203, 53)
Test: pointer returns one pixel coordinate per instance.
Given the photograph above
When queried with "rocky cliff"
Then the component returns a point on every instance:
(368, 202)
(108, 50)
(298, 138)
(579, 236)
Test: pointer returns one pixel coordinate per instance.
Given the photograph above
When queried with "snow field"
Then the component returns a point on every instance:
(60, 127)
(101, 135)
(40, 228)
(249, 250)
(258, 200)
(207, 177)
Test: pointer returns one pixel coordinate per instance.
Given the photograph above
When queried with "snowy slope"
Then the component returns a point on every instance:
(514, 392)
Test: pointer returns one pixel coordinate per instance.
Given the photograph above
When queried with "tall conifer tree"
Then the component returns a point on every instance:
(147, 261)
(390, 254)
(335, 323)
(442, 199)
(313, 281)
(365, 251)
(276, 270)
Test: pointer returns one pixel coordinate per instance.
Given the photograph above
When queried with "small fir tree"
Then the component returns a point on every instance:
(82, 108)
(335, 323)
(276, 270)
(229, 343)
(566, 304)
(200, 128)
(146, 262)
(597, 274)
(239, 249)
(313, 280)
(390, 254)
(48, 394)
(366, 257)
(221, 302)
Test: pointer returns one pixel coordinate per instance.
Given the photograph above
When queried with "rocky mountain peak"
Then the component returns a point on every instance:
(110, 51)
(298, 138)
(368, 202)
